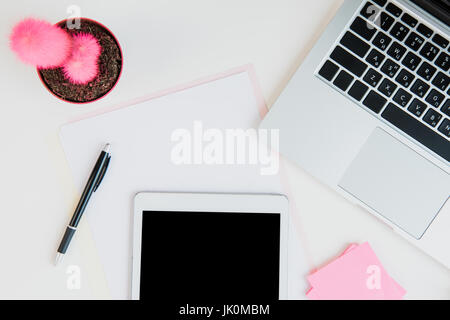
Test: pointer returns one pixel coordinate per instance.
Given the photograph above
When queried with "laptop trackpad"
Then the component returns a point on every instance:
(397, 182)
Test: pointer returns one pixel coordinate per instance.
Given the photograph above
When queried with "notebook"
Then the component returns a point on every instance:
(141, 146)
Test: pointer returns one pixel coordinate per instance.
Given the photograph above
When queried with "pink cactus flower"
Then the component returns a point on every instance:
(82, 65)
(40, 43)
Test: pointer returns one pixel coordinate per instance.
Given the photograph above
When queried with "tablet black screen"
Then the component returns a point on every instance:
(210, 257)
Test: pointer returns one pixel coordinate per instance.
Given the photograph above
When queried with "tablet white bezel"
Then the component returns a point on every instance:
(209, 202)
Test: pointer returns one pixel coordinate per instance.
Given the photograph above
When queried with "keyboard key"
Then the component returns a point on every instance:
(370, 11)
(432, 117)
(405, 78)
(374, 101)
(381, 3)
(429, 51)
(446, 107)
(387, 87)
(420, 88)
(417, 130)
(402, 97)
(382, 41)
(443, 61)
(392, 8)
(328, 70)
(358, 90)
(414, 41)
(375, 58)
(360, 26)
(390, 68)
(343, 80)
(435, 98)
(396, 51)
(441, 81)
(411, 61)
(444, 128)
(372, 77)
(399, 31)
(410, 21)
(424, 30)
(417, 108)
(348, 61)
(355, 44)
(440, 41)
(384, 21)
(426, 71)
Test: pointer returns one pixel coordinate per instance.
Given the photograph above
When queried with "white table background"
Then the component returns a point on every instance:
(165, 43)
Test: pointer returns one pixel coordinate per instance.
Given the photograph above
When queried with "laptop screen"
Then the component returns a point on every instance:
(438, 8)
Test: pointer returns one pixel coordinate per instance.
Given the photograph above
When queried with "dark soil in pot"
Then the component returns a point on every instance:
(110, 67)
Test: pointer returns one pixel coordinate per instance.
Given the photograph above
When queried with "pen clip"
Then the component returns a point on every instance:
(102, 173)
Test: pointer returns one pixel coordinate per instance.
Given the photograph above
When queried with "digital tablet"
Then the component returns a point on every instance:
(193, 247)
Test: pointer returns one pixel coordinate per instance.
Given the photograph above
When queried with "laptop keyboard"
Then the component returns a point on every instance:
(395, 66)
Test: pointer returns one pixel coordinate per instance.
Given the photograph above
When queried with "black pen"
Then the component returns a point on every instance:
(92, 184)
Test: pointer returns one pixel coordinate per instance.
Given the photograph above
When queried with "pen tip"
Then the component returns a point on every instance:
(58, 258)
(107, 147)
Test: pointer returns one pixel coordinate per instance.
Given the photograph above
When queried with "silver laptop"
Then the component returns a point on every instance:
(368, 113)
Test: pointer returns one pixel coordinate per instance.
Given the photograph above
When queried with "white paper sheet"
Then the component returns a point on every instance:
(140, 137)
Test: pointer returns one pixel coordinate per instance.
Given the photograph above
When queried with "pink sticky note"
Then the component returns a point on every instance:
(350, 247)
(356, 274)
(401, 291)
(313, 294)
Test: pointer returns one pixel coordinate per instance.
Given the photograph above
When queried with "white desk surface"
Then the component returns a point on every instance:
(165, 43)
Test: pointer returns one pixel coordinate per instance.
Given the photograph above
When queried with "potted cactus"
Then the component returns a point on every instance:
(76, 65)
